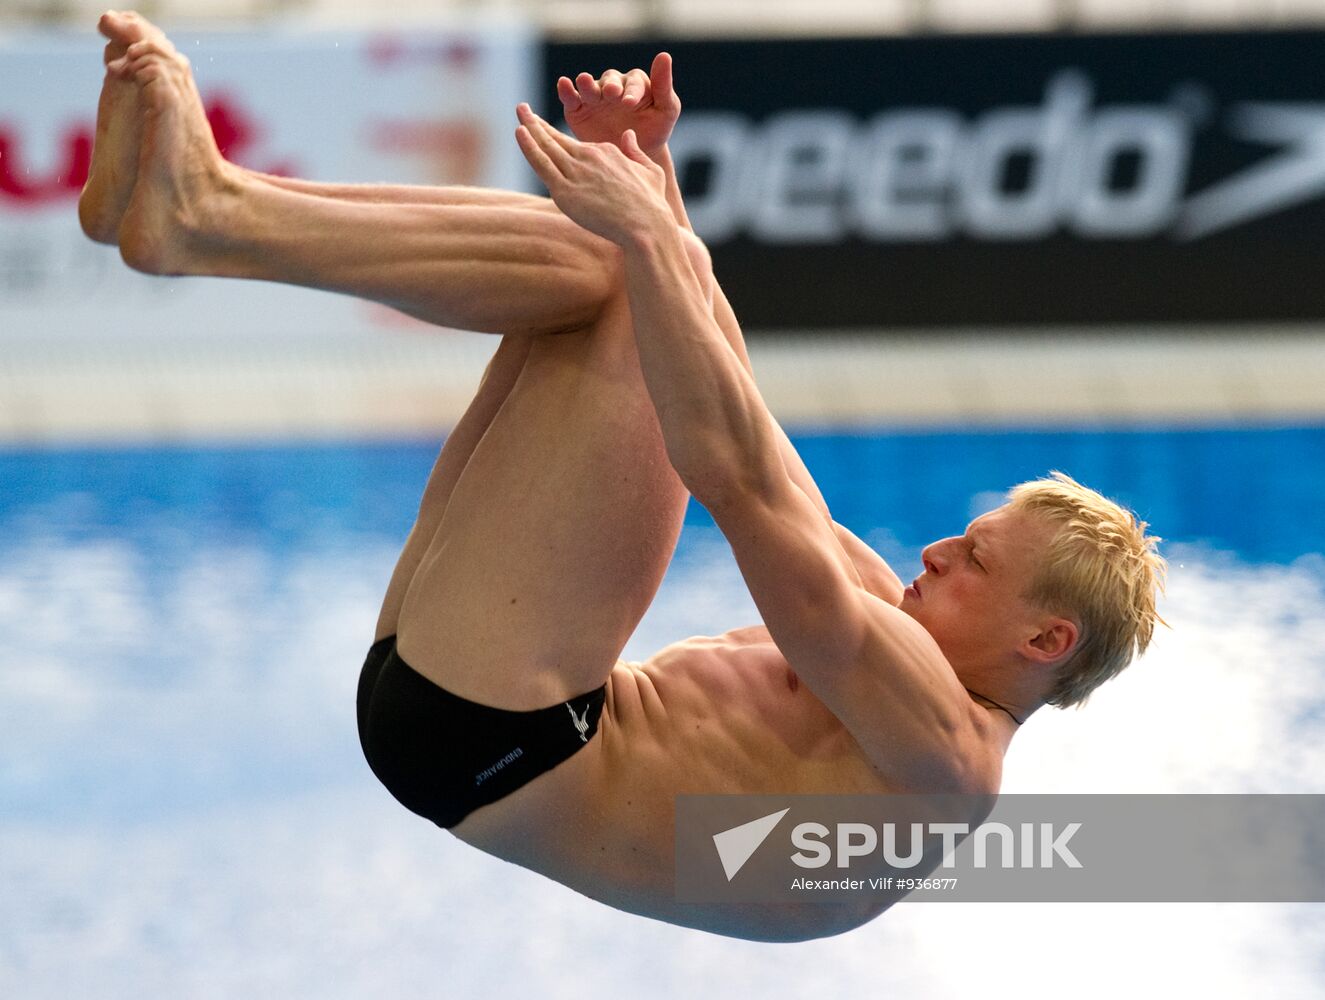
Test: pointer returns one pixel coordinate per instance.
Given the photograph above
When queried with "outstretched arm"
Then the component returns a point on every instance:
(602, 110)
(719, 435)
(877, 669)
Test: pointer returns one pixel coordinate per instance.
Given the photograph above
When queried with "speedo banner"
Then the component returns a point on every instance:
(985, 180)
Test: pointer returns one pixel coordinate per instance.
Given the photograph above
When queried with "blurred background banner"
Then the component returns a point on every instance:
(939, 180)
(421, 106)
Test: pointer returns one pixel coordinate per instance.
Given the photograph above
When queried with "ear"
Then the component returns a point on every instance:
(1055, 641)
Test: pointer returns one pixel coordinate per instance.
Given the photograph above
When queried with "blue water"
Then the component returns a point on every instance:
(185, 810)
(1254, 493)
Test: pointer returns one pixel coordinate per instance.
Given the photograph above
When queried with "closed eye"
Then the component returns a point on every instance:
(971, 553)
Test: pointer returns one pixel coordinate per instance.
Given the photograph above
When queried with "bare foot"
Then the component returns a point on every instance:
(115, 150)
(182, 179)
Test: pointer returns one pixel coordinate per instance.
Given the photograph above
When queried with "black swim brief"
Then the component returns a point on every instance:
(443, 756)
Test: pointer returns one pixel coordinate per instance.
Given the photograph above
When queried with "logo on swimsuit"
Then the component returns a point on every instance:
(488, 772)
(581, 721)
(737, 844)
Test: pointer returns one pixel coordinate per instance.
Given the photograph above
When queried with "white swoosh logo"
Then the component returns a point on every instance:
(1295, 175)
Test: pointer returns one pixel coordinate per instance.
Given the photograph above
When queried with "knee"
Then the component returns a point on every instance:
(590, 270)
(607, 261)
(600, 266)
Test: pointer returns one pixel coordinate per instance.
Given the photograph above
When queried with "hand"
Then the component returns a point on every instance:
(608, 189)
(602, 110)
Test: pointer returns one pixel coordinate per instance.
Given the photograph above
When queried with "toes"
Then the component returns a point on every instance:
(123, 68)
(126, 26)
(118, 27)
(150, 67)
(113, 51)
(156, 54)
(148, 72)
(151, 46)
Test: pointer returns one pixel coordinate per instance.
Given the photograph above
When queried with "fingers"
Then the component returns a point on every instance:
(570, 97)
(660, 74)
(611, 85)
(552, 146)
(544, 155)
(545, 130)
(588, 88)
(631, 147)
(635, 88)
(539, 160)
(634, 151)
(632, 89)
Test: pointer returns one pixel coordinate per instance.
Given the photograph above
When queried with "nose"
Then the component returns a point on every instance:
(931, 558)
(935, 556)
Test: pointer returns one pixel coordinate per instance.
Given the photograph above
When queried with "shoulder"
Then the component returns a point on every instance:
(902, 702)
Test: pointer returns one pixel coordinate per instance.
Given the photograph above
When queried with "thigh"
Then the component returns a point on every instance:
(499, 378)
(556, 535)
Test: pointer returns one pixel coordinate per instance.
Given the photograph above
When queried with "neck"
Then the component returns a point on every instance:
(1017, 716)
(1010, 685)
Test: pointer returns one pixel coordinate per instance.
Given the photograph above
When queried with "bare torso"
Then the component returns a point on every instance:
(708, 715)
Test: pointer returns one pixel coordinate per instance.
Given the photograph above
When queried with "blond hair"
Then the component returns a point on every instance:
(1102, 569)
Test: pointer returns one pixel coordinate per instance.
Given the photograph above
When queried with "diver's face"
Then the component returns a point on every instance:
(969, 598)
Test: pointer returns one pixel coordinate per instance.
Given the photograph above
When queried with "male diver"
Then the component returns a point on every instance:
(493, 700)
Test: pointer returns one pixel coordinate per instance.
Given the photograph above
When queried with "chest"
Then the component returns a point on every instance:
(742, 695)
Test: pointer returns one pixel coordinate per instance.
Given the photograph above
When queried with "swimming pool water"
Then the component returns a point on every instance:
(184, 808)
(1255, 493)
